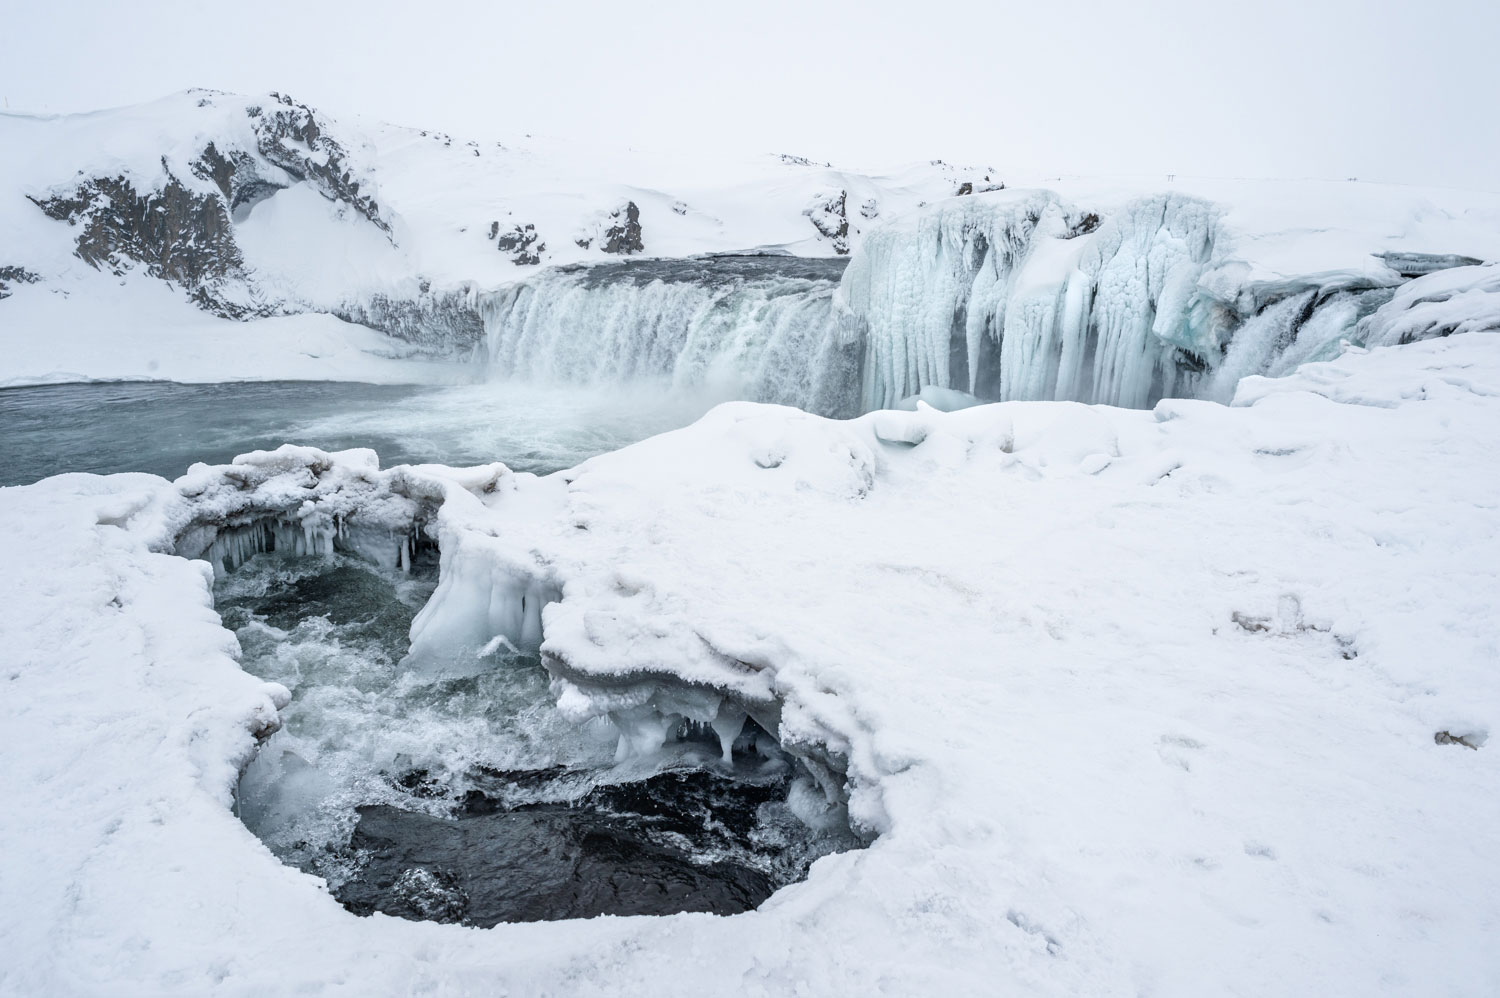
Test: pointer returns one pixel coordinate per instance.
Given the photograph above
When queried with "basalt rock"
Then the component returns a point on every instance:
(522, 244)
(15, 275)
(623, 237)
(1418, 264)
(289, 135)
(179, 235)
(676, 842)
(442, 323)
(238, 178)
(1086, 223)
(969, 187)
(829, 217)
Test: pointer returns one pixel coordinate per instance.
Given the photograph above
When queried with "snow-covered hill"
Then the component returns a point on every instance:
(128, 236)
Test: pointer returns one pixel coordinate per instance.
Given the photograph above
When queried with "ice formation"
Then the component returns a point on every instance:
(1015, 295)
(1022, 295)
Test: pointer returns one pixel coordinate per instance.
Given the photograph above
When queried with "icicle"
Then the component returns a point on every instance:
(728, 724)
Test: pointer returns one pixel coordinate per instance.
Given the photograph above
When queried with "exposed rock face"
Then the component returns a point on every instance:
(181, 231)
(969, 187)
(1086, 223)
(179, 235)
(522, 244)
(237, 178)
(1418, 264)
(14, 275)
(675, 842)
(289, 135)
(828, 216)
(443, 323)
(623, 237)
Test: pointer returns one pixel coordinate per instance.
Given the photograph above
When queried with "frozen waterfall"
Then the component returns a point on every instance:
(1008, 295)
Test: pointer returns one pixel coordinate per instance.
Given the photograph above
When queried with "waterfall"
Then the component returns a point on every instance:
(752, 327)
(1010, 295)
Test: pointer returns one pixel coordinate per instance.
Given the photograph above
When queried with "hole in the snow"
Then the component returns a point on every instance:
(467, 797)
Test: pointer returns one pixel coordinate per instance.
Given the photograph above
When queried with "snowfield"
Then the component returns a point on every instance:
(1181, 701)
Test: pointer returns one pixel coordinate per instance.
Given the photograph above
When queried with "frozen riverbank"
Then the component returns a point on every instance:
(1172, 702)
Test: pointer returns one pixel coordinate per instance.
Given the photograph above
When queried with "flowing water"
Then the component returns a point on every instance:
(162, 428)
(468, 798)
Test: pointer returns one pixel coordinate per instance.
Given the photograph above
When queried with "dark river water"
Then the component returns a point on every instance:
(162, 428)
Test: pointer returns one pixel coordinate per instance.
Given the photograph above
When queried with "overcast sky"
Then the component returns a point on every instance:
(1402, 92)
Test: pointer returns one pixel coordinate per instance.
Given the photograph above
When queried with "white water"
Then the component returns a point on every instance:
(359, 718)
(736, 328)
(1004, 297)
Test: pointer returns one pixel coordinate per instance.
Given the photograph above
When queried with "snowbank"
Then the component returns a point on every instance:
(1137, 701)
(108, 331)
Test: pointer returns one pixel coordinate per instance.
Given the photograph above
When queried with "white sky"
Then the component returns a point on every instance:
(1380, 90)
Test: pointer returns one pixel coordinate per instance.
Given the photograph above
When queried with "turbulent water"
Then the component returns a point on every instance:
(460, 794)
(1015, 297)
(760, 328)
(162, 428)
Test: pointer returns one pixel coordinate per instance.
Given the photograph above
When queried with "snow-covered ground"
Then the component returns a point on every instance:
(127, 331)
(1140, 702)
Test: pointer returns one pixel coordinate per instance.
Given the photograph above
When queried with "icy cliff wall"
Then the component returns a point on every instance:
(1022, 295)
(1012, 295)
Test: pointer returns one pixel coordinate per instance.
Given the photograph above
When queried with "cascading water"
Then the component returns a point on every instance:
(462, 794)
(747, 327)
(1010, 295)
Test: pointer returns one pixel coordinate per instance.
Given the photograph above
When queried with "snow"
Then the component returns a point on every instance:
(100, 329)
(1461, 300)
(1135, 701)
(1165, 265)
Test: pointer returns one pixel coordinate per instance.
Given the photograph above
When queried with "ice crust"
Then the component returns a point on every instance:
(1138, 701)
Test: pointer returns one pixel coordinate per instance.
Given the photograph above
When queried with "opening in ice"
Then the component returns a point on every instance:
(465, 796)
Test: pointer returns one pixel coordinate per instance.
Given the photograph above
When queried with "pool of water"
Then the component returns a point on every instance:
(162, 428)
(469, 798)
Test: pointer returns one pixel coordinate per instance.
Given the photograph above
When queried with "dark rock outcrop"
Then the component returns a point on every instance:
(623, 237)
(828, 215)
(238, 178)
(984, 187)
(179, 235)
(522, 244)
(15, 275)
(1418, 264)
(321, 159)
(442, 323)
(675, 842)
(1085, 224)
